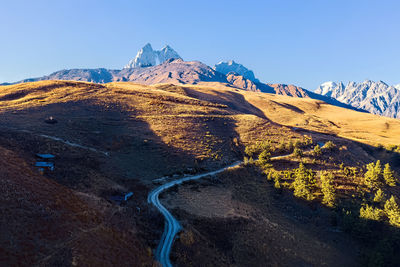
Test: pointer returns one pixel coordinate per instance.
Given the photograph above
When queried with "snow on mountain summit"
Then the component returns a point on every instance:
(231, 66)
(375, 97)
(147, 57)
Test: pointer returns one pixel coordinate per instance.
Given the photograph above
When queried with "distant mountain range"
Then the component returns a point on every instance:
(374, 97)
(166, 66)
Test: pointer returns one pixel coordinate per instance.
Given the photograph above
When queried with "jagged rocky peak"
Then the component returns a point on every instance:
(147, 57)
(167, 53)
(375, 97)
(231, 66)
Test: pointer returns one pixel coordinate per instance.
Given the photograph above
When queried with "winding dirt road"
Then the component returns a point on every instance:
(172, 226)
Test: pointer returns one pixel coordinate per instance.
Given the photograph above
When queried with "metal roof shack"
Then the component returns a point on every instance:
(45, 156)
(45, 165)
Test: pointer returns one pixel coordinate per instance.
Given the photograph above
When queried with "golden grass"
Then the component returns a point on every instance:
(183, 103)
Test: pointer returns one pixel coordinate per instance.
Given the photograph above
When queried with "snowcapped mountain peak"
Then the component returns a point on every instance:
(375, 97)
(397, 86)
(230, 66)
(147, 57)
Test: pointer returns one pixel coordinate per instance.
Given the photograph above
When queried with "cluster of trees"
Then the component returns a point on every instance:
(375, 177)
(390, 210)
(382, 207)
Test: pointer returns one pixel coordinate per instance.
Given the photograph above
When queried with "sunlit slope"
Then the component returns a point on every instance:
(180, 115)
(140, 124)
(313, 115)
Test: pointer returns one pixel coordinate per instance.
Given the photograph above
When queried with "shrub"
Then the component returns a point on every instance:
(328, 189)
(264, 158)
(304, 183)
(289, 145)
(298, 152)
(329, 145)
(370, 213)
(388, 175)
(392, 211)
(297, 143)
(277, 183)
(317, 151)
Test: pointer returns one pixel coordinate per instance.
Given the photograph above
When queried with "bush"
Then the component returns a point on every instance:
(317, 151)
(329, 145)
(264, 158)
(298, 152)
(328, 189)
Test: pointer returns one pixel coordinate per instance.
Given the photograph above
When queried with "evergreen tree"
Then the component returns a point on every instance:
(379, 196)
(303, 183)
(328, 190)
(388, 175)
(373, 175)
(392, 211)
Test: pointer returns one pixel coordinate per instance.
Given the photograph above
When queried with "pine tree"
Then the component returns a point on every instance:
(328, 190)
(373, 175)
(392, 211)
(388, 175)
(379, 196)
(303, 183)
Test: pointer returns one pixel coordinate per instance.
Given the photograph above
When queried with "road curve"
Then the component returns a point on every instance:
(172, 226)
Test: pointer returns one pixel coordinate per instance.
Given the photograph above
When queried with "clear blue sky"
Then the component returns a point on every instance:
(303, 42)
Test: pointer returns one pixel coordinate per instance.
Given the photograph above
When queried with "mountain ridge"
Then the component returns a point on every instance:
(166, 66)
(375, 97)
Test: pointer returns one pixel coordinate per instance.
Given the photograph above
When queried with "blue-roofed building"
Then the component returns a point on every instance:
(45, 156)
(45, 165)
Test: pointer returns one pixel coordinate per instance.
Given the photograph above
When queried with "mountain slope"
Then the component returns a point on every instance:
(375, 97)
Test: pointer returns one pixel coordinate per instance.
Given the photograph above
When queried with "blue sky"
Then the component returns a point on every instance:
(302, 42)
